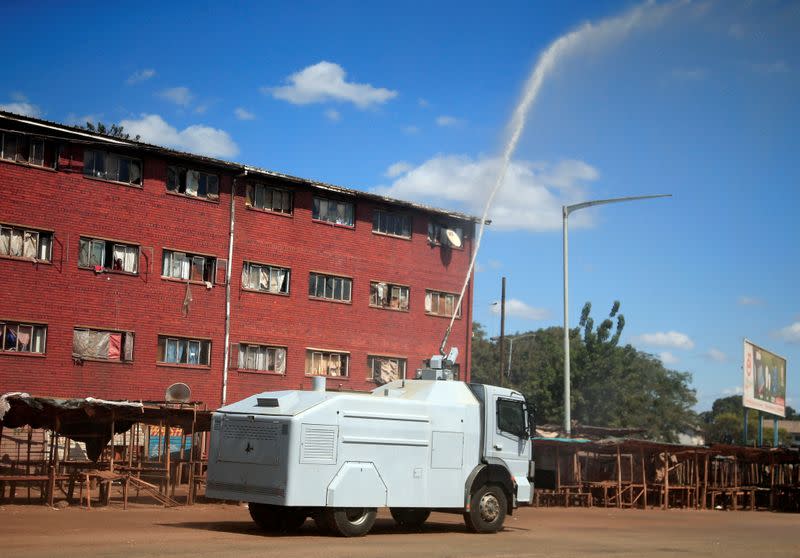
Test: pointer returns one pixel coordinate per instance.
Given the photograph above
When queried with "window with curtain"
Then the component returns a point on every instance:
(192, 183)
(266, 278)
(29, 150)
(111, 166)
(23, 338)
(183, 350)
(98, 344)
(441, 303)
(384, 369)
(108, 255)
(327, 363)
(386, 295)
(262, 358)
(30, 244)
(333, 211)
(188, 267)
(269, 198)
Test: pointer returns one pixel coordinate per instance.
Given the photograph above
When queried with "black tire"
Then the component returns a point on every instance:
(351, 522)
(276, 519)
(487, 510)
(410, 518)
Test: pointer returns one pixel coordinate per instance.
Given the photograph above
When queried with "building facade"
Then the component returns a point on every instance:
(132, 265)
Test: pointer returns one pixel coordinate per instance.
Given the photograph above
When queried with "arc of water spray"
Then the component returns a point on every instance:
(607, 29)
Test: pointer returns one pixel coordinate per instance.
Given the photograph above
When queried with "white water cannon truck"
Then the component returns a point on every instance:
(414, 446)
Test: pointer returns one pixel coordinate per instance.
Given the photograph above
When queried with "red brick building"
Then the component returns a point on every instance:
(126, 266)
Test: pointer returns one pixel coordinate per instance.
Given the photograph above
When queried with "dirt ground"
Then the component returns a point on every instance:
(226, 530)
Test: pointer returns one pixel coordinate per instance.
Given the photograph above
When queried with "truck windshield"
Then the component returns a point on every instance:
(511, 416)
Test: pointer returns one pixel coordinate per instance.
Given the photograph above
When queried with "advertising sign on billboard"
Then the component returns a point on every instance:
(764, 380)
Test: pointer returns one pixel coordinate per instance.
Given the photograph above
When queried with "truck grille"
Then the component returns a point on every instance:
(241, 430)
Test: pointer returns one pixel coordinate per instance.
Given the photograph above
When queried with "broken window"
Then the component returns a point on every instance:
(23, 338)
(269, 198)
(385, 295)
(97, 344)
(383, 370)
(327, 363)
(180, 350)
(267, 278)
(262, 358)
(25, 149)
(329, 287)
(332, 211)
(19, 242)
(108, 255)
(438, 235)
(395, 224)
(110, 166)
(441, 303)
(193, 183)
(188, 267)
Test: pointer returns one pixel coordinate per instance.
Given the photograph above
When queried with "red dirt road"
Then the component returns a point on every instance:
(226, 530)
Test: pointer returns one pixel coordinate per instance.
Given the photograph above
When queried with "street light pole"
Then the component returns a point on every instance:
(565, 211)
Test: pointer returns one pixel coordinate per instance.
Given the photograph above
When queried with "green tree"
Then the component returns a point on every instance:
(115, 130)
(724, 422)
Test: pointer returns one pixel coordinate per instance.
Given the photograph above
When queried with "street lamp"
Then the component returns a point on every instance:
(566, 210)
(511, 339)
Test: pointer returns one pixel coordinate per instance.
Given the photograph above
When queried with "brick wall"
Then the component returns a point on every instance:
(64, 296)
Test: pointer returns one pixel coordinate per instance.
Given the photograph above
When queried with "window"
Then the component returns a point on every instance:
(266, 278)
(96, 344)
(329, 287)
(511, 417)
(179, 350)
(441, 304)
(188, 267)
(269, 198)
(337, 212)
(437, 234)
(21, 242)
(23, 338)
(327, 363)
(383, 370)
(111, 166)
(108, 255)
(394, 224)
(262, 358)
(25, 149)
(384, 295)
(193, 183)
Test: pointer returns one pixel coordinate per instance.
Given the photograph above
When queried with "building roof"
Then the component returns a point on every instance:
(241, 168)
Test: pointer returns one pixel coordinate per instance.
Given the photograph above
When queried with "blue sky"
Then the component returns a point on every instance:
(696, 99)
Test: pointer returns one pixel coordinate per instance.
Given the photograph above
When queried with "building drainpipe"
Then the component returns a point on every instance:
(227, 352)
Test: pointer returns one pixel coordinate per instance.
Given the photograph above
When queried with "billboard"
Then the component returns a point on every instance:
(764, 380)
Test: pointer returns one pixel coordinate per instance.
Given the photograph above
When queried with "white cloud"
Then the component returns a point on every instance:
(333, 115)
(673, 339)
(76, 120)
(423, 102)
(197, 138)
(244, 114)
(531, 196)
(749, 301)
(790, 333)
(519, 309)
(446, 121)
(325, 81)
(668, 358)
(179, 95)
(716, 355)
(495, 264)
(398, 168)
(140, 75)
(21, 105)
(410, 130)
(735, 390)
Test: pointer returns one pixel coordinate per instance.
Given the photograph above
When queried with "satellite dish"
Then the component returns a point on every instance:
(453, 238)
(178, 393)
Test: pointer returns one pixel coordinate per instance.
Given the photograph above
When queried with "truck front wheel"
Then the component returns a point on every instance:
(410, 518)
(351, 522)
(487, 510)
(276, 519)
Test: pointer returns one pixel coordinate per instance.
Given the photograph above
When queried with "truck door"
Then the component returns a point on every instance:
(508, 439)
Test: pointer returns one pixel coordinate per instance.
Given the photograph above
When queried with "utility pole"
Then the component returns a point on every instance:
(502, 334)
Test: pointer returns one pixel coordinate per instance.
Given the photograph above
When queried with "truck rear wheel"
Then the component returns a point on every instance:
(276, 519)
(351, 522)
(487, 510)
(410, 518)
